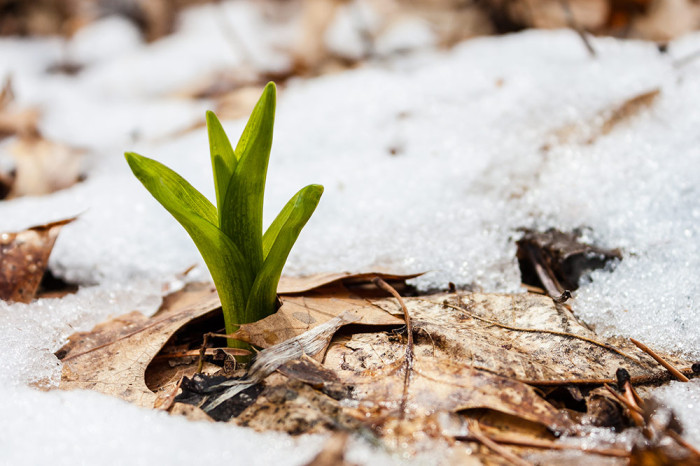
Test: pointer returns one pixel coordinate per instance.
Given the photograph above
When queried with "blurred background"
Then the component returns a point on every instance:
(234, 47)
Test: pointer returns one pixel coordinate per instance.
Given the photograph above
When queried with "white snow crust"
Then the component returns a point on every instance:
(431, 162)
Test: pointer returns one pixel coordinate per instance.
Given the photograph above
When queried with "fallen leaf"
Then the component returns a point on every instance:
(524, 336)
(298, 285)
(24, 257)
(372, 364)
(42, 167)
(299, 314)
(113, 358)
(296, 408)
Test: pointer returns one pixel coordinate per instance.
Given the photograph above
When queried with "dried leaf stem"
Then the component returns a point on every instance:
(549, 445)
(203, 348)
(409, 340)
(676, 373)
(478, 435)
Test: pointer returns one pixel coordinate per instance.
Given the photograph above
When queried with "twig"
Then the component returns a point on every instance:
(676, 373)
(409, 341)
(476, 432)
(683, 442)
(537, 330)
(234, 40)
(170, 399)
(198, 352)
(544, 273)
(549, 445)
(640, 379)
(624, 401)
(203, 348)
(634, 410)
(573, 24)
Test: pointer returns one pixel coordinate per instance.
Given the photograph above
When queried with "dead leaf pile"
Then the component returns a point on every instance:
(499, 377)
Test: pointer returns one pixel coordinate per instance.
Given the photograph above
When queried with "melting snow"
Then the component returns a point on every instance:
(431, 162)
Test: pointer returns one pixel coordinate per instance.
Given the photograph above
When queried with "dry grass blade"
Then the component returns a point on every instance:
(676, 373)
(478, 435)
(409, 341)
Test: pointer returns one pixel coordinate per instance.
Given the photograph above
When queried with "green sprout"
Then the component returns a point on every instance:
(245, 264)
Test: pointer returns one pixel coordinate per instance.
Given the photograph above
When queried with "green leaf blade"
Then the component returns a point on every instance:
(197, 215)
(169, 188)
(241, 212)
(223, 160)
(294, 216)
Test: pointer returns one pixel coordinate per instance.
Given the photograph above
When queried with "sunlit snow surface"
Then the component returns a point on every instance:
(431, 162)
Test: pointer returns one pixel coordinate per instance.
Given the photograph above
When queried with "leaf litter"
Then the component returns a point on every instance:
(509, 372)
(24, 258)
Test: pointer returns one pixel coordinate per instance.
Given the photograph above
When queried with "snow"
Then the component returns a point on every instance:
(432, 161)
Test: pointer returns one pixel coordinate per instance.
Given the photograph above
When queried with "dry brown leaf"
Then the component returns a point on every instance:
(43, 167)
(24, 257)
(298, 285)
(20, 122)
(524, 336)
(112, 359)
(296, 408)
(301, 313)
(372, 364)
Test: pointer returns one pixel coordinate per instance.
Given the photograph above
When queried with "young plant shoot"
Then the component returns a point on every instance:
(245, 263)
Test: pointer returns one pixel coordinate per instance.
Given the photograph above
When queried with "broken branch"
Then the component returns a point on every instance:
(409, 340)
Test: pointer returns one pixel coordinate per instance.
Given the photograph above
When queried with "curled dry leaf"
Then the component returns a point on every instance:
(113, 358)
(299, 314)
(372, 365)
(24, 257)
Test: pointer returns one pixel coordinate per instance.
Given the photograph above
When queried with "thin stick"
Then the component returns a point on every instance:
(573, 24)
(537, 330)
(476, 432)
(549, 445)
(676, 373)
(203, 349)
(638, 380)
(624, 401)
(208, 352)
(683, 442)
(409, 341)
(170, 399)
